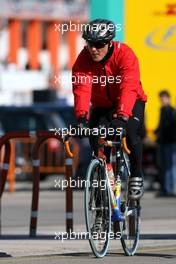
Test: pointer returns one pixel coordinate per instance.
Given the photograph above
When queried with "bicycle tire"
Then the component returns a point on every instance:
(96, 172)
(130, 236)
(130, 226)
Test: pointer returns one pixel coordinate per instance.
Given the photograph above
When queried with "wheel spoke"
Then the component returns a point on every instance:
(97, 210)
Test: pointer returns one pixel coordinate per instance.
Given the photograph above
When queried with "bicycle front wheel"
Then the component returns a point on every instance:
(97, 208)
(130, 228)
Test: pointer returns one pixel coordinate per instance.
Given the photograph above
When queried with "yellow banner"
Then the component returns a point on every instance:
(150, 30)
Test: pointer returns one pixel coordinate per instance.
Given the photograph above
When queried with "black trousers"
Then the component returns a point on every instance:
(135, 132)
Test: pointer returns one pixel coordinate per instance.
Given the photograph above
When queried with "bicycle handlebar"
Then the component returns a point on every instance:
(125, 147)
(67, 149)
(108, 143)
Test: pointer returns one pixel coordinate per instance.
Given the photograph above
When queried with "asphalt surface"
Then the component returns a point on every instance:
(145, 256)
(158, 230)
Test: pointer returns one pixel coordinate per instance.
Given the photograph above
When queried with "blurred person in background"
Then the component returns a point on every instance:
(166, 138)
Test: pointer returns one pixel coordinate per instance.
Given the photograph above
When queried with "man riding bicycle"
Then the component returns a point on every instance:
(118, 101)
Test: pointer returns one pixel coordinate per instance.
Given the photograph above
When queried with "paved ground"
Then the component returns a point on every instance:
(158, 231)
(144, 256)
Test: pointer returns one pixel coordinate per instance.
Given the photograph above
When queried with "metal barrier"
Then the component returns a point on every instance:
(4, 140)
(4, 171)
(51, 159)
(5, 166)
(40, 138)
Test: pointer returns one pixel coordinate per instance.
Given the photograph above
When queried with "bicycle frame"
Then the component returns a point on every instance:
(121, 144)
(115, 198)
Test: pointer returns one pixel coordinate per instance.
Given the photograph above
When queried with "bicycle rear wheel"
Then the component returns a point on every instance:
(130, 226)
(97, 208)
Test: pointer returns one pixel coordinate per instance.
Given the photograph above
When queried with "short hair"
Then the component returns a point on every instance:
(164, 93)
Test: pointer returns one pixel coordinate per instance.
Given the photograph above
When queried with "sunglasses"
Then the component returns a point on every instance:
(95, 45)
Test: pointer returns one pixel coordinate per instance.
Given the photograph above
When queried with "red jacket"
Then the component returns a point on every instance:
(123, 87)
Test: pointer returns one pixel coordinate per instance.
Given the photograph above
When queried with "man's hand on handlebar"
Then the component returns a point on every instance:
(119, 122)
(83, 122)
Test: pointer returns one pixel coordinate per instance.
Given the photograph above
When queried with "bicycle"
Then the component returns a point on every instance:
(108, 206)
